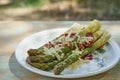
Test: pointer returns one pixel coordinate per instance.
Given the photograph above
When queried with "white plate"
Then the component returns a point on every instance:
(111, 56)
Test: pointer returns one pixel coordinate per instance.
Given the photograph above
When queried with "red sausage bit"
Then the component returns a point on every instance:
(81, 47)
(88, 57)
(49, 45)
(70, 45)
(57, 43)
(66, 34)
(90, 42)
(89, 34)
(72, 34)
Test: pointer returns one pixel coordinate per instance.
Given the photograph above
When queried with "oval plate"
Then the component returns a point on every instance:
(111, 56)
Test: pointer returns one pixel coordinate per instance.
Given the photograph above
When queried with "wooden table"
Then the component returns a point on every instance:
(11, 33)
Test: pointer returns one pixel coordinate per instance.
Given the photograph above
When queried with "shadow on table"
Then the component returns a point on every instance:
(24, 74)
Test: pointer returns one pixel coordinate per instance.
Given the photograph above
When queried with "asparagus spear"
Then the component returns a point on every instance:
(65, 50)
(50, 65)
(49, 58)
(42, 66)
(32, 52)
(94, 26)
(74, 57)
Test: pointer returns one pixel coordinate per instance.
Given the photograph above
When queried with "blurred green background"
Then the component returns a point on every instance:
(58, 10)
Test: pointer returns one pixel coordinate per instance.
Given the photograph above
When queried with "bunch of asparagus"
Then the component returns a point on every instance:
(38, 59)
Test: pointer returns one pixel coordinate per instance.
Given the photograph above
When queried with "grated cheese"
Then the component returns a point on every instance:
(76, 52)
(76, 45)
(82, 39)
(50, 51)
(54, 51)
(62, 55)
(57, 55)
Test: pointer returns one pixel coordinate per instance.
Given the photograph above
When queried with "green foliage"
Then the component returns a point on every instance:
(30, 3)
(35, 2)
(15, 5)
(89, 9)
(79, 1)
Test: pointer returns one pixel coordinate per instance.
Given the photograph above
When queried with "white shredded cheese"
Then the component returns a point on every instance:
(77, 52)
(57, 56)
(82, 39)
(76, 45)
(50, 51)
(54, 51)
(62, 55)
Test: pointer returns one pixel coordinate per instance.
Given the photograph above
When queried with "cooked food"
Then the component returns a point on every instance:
(68, 48)
(77, 54)
(50, 65)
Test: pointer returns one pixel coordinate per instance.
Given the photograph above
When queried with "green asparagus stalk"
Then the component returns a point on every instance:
(36, 62)
(33, 52)
(49, 58)
(94, 26)
(42, 66)
(74, 57)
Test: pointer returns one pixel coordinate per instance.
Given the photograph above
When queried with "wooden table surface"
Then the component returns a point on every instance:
(12, 32)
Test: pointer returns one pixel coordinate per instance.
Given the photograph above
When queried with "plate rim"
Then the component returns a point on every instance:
(112, 43)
